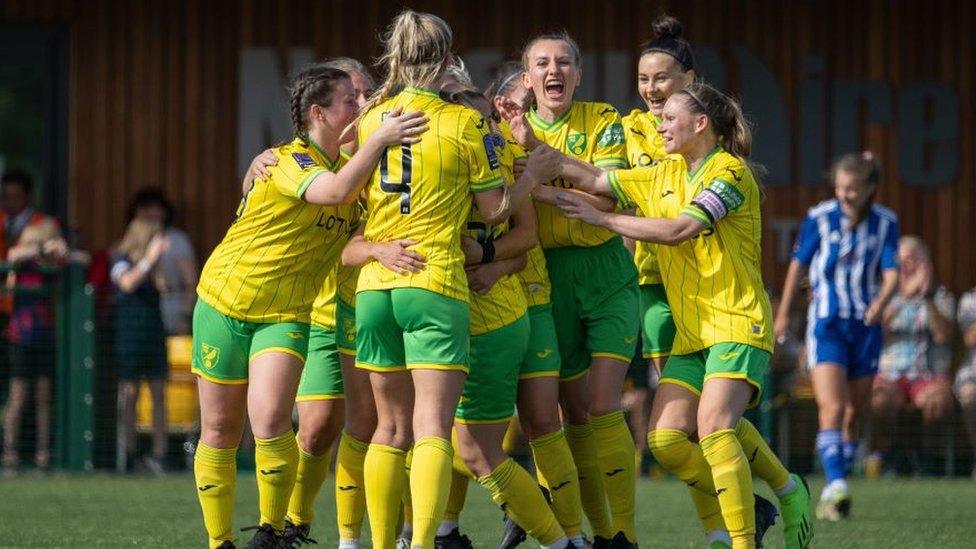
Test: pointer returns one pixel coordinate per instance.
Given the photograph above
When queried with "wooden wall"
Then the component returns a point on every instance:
(153, 87)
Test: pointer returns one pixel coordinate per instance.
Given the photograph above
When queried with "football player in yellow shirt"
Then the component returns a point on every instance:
(330, 375)
(412, 329)
(251, 322)
(704, 207)
(538, 384)
(594, 286)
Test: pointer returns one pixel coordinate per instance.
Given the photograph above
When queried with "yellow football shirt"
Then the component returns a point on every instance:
(591, 132)
(644, 147)
(422, 191)
(339, 284)
(505, 302)
(273, 259)
(714, 280)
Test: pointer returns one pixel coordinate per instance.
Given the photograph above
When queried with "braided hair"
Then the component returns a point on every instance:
(312, 86)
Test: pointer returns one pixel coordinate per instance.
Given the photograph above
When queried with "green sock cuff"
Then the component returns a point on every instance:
(281, 443)
(498, 479)
(548, 439)
(578, 431)
(354, 442)
(439, 443)
(607, 420)
(217, 457)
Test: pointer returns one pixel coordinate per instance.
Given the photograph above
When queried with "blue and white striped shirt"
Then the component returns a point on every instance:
(846, 262)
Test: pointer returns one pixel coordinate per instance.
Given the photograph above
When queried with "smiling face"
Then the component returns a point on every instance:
(852, 193)
(680, 127)
(658, 76)
(552, 73)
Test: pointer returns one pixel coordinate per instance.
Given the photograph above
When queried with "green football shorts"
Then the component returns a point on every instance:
(658, 323)
(542, 357)
(409, 328)
(223, 346)
(731, 360)
(322, 376)
(346, 328)
(492, 384)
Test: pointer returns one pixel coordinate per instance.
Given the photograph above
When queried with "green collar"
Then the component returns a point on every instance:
(538, 122)
(330, 164)
(698, 170)
(422, 91)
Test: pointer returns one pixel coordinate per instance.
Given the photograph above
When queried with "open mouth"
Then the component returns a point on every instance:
(656, 103)
(555, 89)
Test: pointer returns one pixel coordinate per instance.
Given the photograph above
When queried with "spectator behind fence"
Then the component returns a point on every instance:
(965, 386)
(916, 358)
(140, 345)
(176, 275)
(29, 239)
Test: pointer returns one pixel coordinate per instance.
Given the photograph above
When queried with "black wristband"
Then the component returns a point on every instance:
(488, 250)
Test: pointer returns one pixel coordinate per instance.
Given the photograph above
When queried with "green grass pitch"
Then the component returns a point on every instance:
(103, 510)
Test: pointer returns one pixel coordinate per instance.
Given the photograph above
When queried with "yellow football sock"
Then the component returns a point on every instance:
(708, 510)
(349, 493)
(406, 515)
(430, 484)
(684, 459)
(615, 449)
(457, 495)
(582, 444)
(215, 471)
(276, 461)
(384, 482)
(733, 485)
(512, 488)
(762, 459)
(556, 471)
(311, 472)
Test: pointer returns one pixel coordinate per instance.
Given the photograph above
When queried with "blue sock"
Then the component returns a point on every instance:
(850, 453)
(830, 446)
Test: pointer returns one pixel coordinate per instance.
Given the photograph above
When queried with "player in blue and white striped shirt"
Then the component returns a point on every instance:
(849, 245)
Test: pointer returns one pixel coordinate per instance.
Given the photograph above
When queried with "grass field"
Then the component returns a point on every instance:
(102, 510)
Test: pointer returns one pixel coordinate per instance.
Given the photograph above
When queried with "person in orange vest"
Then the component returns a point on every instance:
(30, 239)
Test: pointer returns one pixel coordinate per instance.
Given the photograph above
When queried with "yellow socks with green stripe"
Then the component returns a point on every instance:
(762, 459)
(215, 472)
(430, 485)
(684, 459)
(582, 444)
(512, 488)
(616, 451)
(311, 472)
(384, 480)
(349, 493)
(556, 471)
(276, 461)
(733, 485)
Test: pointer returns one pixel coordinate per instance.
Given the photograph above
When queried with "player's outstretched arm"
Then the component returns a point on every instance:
(332, 189)
(781, 325)
(669, 232)
(394, 255)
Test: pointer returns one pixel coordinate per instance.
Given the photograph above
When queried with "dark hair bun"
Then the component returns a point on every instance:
(666, 26)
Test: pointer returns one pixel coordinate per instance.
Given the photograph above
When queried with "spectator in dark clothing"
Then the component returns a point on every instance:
(140, 344)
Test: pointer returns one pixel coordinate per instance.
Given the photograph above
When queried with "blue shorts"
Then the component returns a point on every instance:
(844, 341)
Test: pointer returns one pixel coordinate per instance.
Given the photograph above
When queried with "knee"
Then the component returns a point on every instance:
(475, 458)
(392, 433)
(661, 443)
(220, 432)
(360, 426)
(314, 441)
(713, 418)
(603, 404)
(831, 414)
(537, 424)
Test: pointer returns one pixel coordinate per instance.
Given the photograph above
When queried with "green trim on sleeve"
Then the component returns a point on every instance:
(611, 162)
(696, 213)
(483, 186)
(618, 191)
(307, 182)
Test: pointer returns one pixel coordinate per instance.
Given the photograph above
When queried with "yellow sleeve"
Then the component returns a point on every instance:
(722, 196)
(632, 187)
(610, 151)
(294, 172)
(483, 162)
